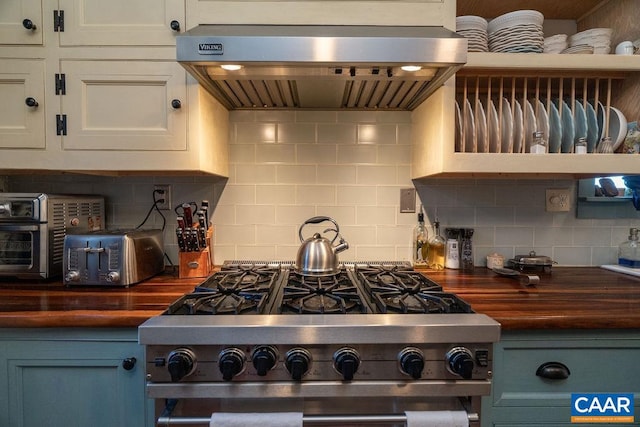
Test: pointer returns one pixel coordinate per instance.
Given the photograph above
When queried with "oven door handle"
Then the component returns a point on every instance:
(310, 420)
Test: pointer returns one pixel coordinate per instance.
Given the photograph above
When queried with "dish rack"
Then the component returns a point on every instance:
(499, 114)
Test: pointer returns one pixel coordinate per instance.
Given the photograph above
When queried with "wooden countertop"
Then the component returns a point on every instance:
(568, 298)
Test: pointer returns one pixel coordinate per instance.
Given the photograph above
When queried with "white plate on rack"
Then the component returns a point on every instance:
(493, 128)
(482, 142)
(568, 129)
(518, 127)
(555, 129)
(529, 124)
(593, 131)
(580, 121)
(542, 120)
(469, 128)
(506, 127)
(459, 143)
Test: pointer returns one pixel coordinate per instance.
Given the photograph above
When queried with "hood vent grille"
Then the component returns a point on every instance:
(311, 67)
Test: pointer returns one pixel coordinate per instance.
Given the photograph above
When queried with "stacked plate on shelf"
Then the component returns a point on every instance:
(474, 29)
(517, 32)
(599, 39)
(555, 44)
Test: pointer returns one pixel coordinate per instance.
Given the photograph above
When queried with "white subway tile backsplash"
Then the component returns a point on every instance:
(343, 174)
(297, 133)
(286, 167)
(255, 132)
(356, 195)
(321, 154)
(357, 154)
(275, 153)
(316, 195)
(296, 174)
(377, 175)
(337, 133)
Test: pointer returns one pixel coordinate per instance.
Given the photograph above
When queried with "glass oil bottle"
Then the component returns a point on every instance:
(436, 248)
(420, 242)
(629, 251)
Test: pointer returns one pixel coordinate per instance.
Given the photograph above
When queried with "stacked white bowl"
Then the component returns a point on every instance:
(598, 38)
(474, 29)
(555, 44)
(518, 31)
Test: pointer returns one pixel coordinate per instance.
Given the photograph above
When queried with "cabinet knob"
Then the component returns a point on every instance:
(28, 24)
(31, 102)
(175, 25)
(175, 103)
(553, 371)
(129, 363)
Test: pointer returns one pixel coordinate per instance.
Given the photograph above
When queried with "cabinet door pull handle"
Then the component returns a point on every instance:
(176, 103)
(553, 371)
(129, 363)
(31, 102)
(28, 24)
(175, 25)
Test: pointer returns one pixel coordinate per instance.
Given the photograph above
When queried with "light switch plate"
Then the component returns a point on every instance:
(407, 200)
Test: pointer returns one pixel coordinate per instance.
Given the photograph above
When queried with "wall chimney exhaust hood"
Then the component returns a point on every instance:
(321, 67)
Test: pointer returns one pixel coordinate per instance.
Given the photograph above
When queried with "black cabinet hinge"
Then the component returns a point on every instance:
(61, 124)
(61, 84)
(58, 21)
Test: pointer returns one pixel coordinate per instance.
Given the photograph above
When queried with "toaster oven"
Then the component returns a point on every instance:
(33, 227)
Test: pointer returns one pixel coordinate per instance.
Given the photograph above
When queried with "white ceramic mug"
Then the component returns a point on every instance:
(625, 48)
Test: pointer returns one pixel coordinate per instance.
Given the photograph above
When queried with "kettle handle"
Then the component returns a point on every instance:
(318, 220)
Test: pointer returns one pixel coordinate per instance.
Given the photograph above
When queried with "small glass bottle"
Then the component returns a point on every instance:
(538, 144)
(420, 242)
(629, 250)
(436, 248)
(580, 146)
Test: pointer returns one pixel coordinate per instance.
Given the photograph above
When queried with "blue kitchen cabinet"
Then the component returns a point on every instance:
(597, 361)
(72, 378)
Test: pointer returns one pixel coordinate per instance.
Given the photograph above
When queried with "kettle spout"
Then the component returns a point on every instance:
(343, 245)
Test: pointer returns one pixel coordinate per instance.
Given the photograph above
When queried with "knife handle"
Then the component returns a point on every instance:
(187, 214)
(180, 237)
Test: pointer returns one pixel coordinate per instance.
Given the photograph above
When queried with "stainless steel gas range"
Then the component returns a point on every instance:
(358, 347)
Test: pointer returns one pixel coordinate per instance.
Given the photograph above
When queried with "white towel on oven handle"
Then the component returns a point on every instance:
(261, 419)
(437, 419)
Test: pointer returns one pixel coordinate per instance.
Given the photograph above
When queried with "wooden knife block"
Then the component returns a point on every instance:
(197, 264)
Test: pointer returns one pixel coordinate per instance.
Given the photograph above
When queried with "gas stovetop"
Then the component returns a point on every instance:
(358, 288)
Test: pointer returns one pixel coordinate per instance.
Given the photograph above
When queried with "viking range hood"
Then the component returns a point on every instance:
(321, 67)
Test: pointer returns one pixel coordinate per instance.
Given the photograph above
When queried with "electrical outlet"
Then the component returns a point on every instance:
(166, 195)
(558, 200)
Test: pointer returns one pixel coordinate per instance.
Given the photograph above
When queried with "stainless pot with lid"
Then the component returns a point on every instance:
(317, 256)
(532, 260)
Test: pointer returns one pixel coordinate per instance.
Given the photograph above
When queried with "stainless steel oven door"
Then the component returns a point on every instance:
(24, 251)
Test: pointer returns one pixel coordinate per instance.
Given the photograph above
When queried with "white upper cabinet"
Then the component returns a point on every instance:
(120, 22)
(124, 105)
(21, 112)
(21, 22)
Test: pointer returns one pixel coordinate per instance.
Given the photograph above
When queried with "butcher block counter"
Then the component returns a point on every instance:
(567, 298)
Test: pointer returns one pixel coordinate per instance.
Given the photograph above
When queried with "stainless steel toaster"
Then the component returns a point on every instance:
(112, 258)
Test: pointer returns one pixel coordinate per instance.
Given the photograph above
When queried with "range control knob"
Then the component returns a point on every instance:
(264, 358)
(411, 362)
(460, 362)
(297, 361)
(181, 363)
(231, 362)
(346, 361)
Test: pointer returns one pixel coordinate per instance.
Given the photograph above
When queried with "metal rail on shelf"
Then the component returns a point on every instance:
(309, 420)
